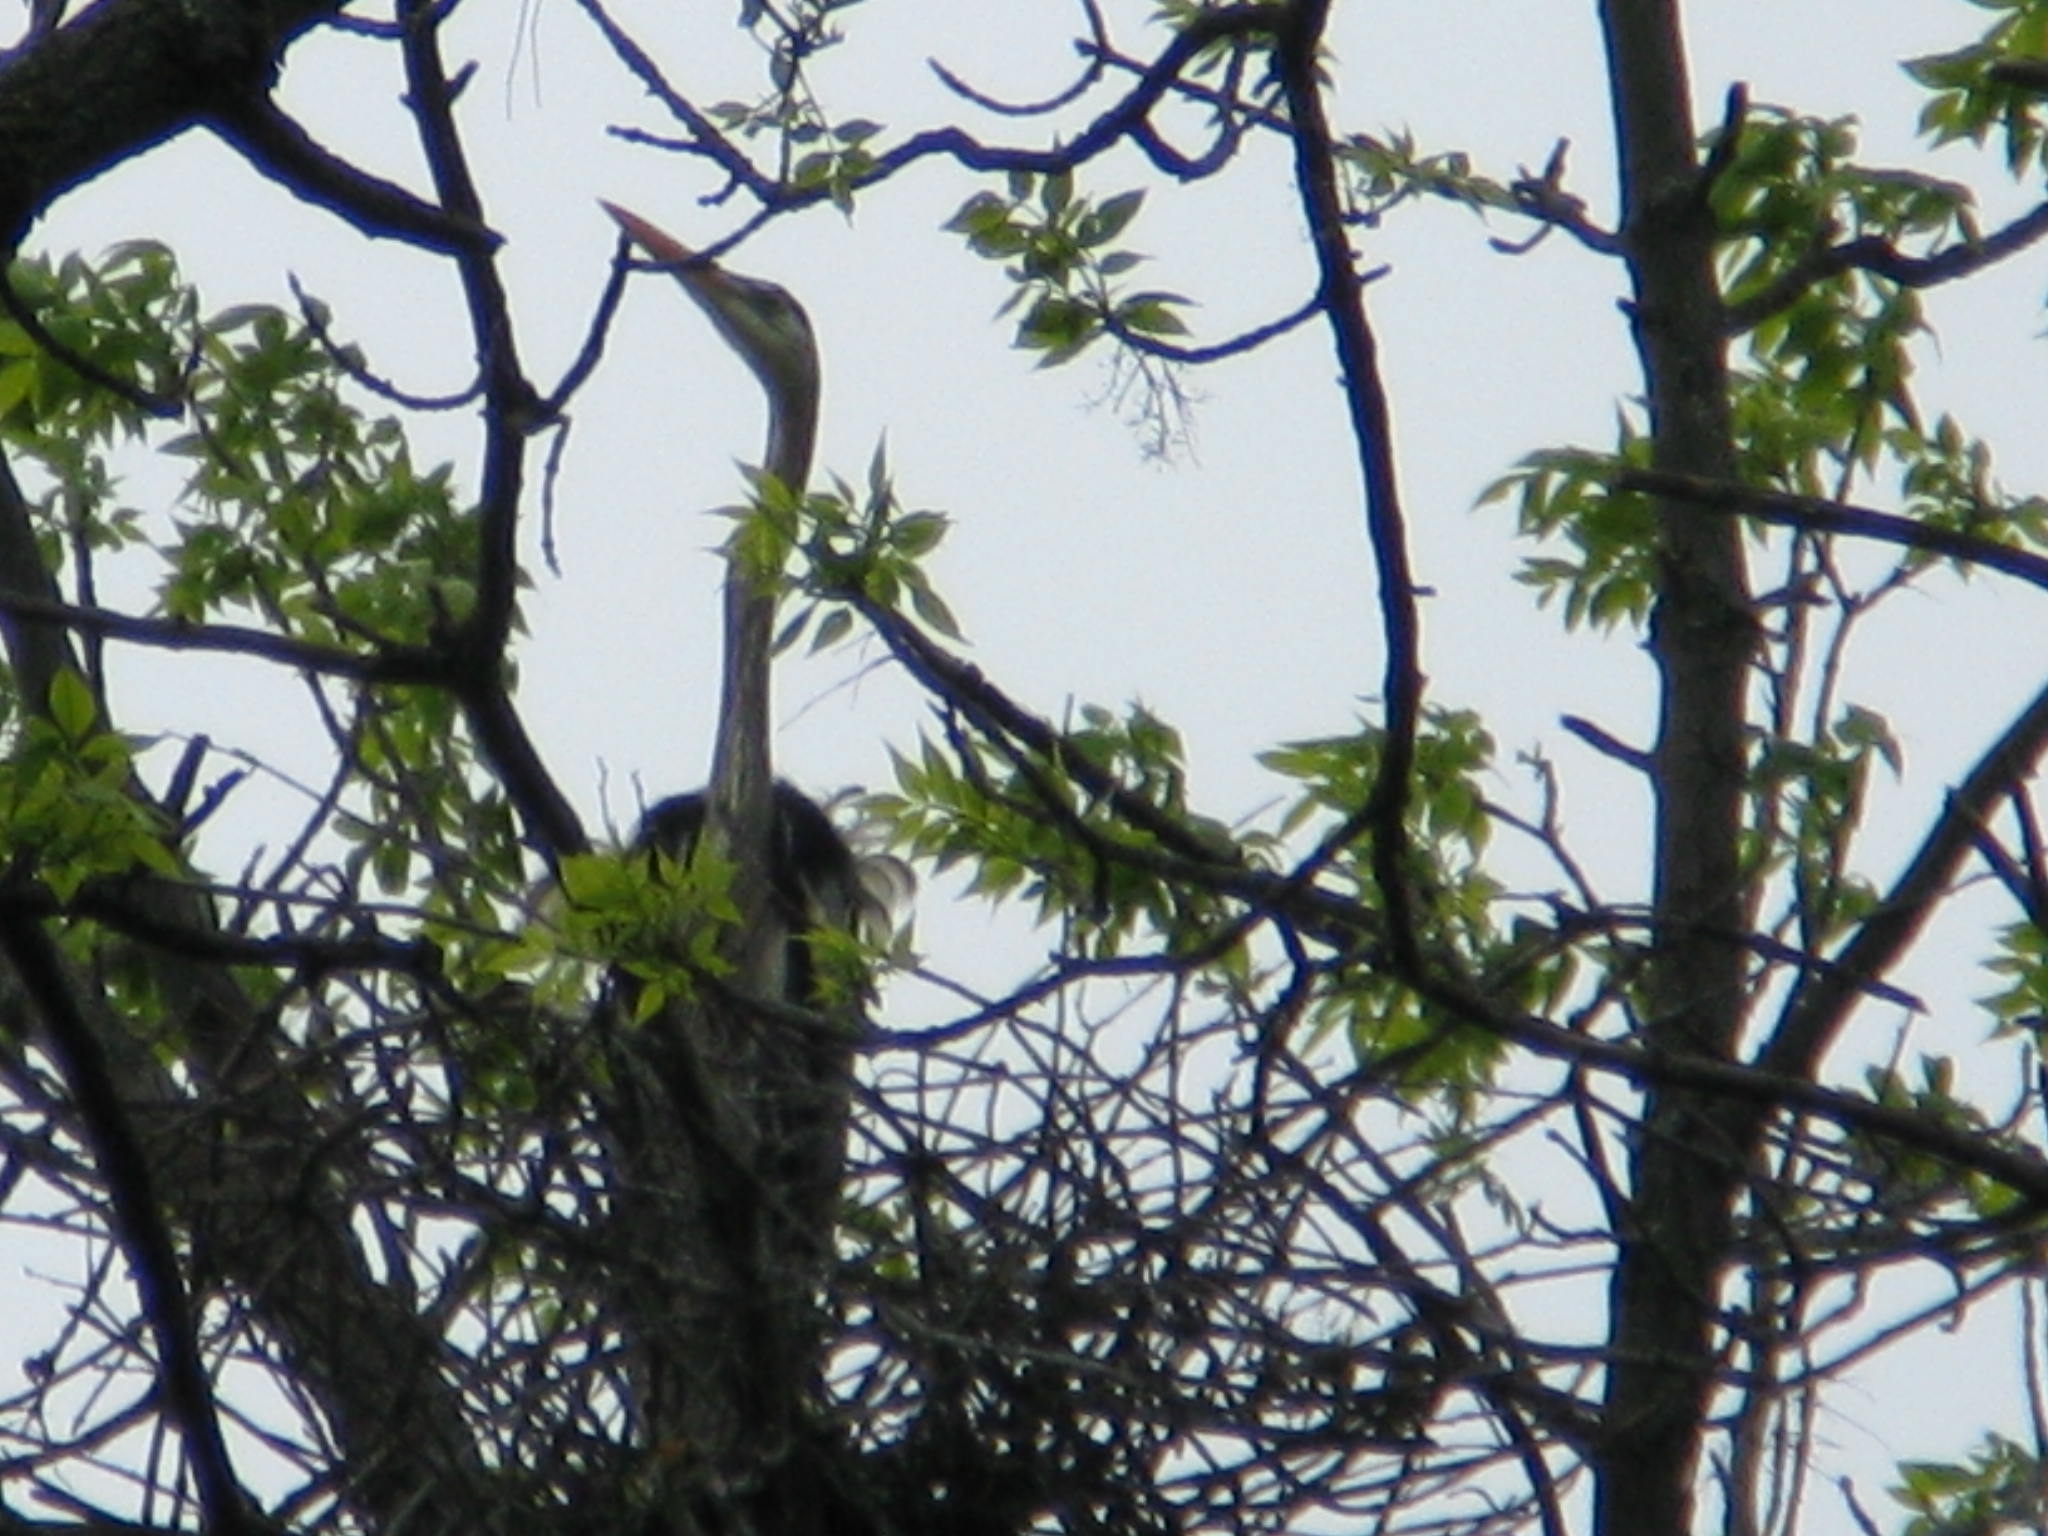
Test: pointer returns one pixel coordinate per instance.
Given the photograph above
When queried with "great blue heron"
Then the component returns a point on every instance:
(772, 335)
(750, 1190)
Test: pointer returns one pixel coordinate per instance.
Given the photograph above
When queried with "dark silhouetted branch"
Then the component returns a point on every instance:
(285, 152)
(144, 1236)
(1881, 258)
(1818, 515)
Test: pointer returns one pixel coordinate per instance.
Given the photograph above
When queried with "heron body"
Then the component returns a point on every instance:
(814, 878)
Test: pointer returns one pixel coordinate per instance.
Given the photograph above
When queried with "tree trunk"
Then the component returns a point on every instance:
(1684, 1173)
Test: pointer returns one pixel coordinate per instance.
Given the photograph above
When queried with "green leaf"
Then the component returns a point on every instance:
(1109, 220)
(1150, 317)
(73, 709)
(878, 469)
(833, 628)
(918, 534)
(17, 383)
(392, 868)
(793, 630)
(156, 856)
(933, 610)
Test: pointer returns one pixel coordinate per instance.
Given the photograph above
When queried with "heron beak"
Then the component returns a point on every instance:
(662, 247)
(701, 279)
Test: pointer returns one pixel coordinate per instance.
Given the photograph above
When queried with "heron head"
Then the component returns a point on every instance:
(759, 320)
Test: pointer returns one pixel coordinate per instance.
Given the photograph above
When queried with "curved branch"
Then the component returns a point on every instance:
(1098, 29)
(1817, 515)
(1881, 258)
(1127, 119)
(149, 70)
(1191, 90)
(1342, 295)
(1244, 341)
(592, 351)
(314, 314)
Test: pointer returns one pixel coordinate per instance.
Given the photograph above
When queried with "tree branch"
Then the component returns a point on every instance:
(1343, 301)
(1820, 1003)
(1128, 118)
(1881, 258)
(144, 1237)
(284, 151)
(1818, 515)
(511, 411)
(149, 68)
(387, 664)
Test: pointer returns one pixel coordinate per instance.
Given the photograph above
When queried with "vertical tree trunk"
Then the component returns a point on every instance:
(1685, 1171)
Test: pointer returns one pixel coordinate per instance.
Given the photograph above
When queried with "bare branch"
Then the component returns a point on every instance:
(284, 151)
(1343, 301)
(144, 1235)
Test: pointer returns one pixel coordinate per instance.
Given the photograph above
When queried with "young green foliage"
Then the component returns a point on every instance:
(1969, 101)
(653, 917)
(1389, 171)
(1054, 243)
(66, 806)
(1027, 830)
(1999, 1487)
(1454, 899)
(863, 544)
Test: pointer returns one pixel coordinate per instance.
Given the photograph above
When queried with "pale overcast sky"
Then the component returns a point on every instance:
(1230, 588)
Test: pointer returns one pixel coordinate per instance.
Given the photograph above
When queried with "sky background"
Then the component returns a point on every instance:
(1228, 586)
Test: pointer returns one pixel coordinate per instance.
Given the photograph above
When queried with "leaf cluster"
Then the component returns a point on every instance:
(1026, 830)
(817, 153)
(311, 513)
(1834, 354)
(1809, 797)
(1609, 576)
(1825, 393)
(1905, 1181)
(1998, 1488)
(67, 805)
(301, 508)
(1055, 243)
(857, 545)
(126, 315)
(126, 319)
(1945, 481)
(1454, 899)
(2021, 1006)
(1969, 101)
(1387, 171)
(654, 917)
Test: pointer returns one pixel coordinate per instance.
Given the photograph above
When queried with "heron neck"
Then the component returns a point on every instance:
(741, 774)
